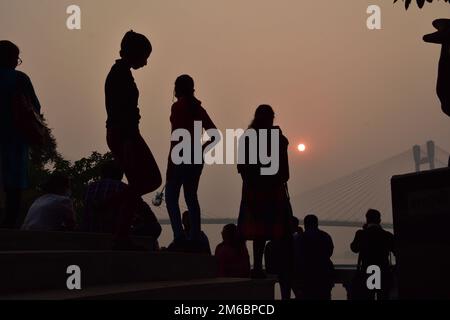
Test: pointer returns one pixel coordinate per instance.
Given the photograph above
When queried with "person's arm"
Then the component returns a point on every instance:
(208, 124)
(391, 243)
(178, 116)
(443, 82)
(284, 158)
(330, 247)
(27, 86)
(355, 246)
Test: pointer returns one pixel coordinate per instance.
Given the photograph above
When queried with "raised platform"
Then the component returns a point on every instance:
(17, 240)
(186, 290)
(28, 271)
(34, 265)
(421, 211)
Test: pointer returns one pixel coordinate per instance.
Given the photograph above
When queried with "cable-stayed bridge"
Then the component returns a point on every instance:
(344, 201)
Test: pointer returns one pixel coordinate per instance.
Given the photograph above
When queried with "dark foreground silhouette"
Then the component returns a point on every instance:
(17, 99)
(185, 111)
(265, 210)
(123, 136)
(374, 246)
(314, 270)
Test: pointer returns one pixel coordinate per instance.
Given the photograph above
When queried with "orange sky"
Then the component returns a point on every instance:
(352, 95)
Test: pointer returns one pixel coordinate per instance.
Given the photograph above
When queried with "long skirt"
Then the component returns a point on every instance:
(265, 212)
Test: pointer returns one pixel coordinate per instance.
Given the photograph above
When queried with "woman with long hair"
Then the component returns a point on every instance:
(265, 210)
(185, 112)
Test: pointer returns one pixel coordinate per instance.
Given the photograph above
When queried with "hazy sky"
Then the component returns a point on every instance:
(352, 95)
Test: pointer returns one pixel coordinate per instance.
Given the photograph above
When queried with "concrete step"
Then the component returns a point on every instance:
(17, 240)
(30, 271)
(199, 289)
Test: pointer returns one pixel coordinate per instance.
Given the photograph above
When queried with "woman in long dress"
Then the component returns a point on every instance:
(265, 210)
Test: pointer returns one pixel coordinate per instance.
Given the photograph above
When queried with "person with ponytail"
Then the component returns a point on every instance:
(265, 211)
(184, 113)
(123, 135)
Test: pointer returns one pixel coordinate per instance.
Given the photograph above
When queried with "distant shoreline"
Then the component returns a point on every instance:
(329, 223)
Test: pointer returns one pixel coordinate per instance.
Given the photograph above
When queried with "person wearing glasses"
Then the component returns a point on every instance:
(14, 150)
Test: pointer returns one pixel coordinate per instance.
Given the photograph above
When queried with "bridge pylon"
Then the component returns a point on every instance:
(429, 159)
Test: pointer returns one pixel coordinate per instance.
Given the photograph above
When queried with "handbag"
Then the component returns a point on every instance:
(27, 121)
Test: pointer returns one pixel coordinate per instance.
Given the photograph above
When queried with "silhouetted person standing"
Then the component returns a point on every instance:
(123, 136)
(185, 111)
(279, 259)
(442, 37)
(313, 266)
(374, 246)
(14, 150)
(265, 211)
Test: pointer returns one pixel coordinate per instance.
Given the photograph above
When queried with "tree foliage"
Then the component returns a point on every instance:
(420, 3)
(44, 161)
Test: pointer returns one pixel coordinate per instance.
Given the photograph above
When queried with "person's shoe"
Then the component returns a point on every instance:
(127, 245)
(442, 36)
(258, 274)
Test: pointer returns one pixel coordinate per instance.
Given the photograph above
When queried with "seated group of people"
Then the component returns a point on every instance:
(54, 210)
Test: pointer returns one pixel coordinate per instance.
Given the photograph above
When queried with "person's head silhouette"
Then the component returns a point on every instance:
(184, 86)
(230, 234)
(373, 216)
(264, 117)
(9, 55)
(135, 49)
(311, 222)
(111, 170)
(58, 183)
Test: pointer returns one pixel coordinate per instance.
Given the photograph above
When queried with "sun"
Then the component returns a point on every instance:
(301, 147)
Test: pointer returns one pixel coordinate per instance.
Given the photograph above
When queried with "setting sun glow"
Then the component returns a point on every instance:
(301, 147)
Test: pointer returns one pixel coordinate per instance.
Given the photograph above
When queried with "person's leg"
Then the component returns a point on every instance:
(127, 202)
(190, 186)
(258, 253)
(13, 198)
(285, 287)
(128, 153)
(173, 188)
